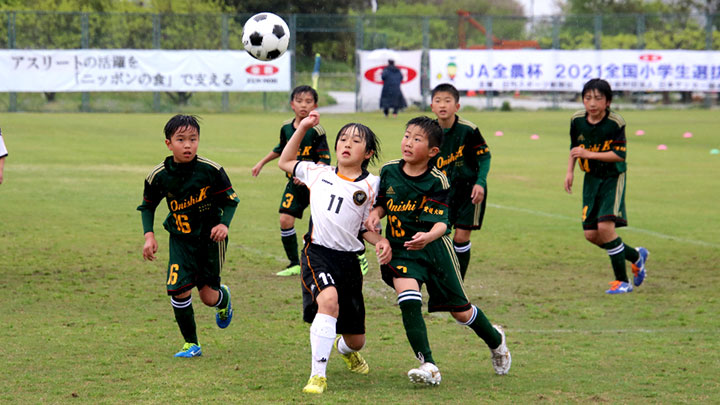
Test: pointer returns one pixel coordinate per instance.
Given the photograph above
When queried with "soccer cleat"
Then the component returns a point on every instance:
(316, 385)
(427, 374)
(291, 270)
(501, 358)
(619, 287)
(223, 317)
(364, 266)
(354, 361)
(189, 350)
(639, 271)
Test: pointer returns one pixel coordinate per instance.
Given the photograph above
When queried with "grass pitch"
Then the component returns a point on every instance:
(85, 320)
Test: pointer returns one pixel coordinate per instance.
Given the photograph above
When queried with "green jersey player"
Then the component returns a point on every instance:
(598, 144)
(464, 158)
(413, 194)
(201, 202)
(296, 197)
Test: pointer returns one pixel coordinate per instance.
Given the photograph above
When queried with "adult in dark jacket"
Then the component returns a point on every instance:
(391, 95)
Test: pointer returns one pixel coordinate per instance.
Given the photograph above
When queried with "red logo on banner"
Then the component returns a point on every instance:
(649, 57)
(262, 70)
(375, 74)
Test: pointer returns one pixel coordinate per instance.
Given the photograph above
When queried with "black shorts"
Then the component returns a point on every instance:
(322, 268)
(463, 213)
(194, 262)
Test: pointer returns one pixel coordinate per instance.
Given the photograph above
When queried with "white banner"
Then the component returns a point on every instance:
(140, 70)
(556, 70)
(371, 66)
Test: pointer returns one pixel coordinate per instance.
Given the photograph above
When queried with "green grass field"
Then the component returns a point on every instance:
(84, 320)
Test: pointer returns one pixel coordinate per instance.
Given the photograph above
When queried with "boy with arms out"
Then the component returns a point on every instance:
(597, 142)
(464, 158)
(313, 147)
(340, 201)
(413, 193)
(201, 202)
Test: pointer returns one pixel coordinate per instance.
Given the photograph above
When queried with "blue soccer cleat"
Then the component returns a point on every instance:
(189, 350)
(223, 317)
(619, 287)
(638, 270)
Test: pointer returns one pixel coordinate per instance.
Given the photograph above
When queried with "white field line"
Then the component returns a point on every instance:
(629, 228)
(611, 331)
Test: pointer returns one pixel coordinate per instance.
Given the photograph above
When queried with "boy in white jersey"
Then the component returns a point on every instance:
(340, 200)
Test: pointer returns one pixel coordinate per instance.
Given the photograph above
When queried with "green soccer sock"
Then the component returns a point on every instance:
(631, 254)
(223, 298)
(616, 250)
(483, 328)
(185, 317)
(289, 241)
(410, 302)
(462, 250)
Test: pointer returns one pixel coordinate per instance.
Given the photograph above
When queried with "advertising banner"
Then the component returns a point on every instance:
(560, 70)
(371, 66)
(96, 70)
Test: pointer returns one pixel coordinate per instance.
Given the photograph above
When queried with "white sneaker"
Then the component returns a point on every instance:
(427, 374)
(501, 355)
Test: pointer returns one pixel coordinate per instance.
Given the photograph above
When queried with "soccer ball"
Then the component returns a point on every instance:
(266, 36)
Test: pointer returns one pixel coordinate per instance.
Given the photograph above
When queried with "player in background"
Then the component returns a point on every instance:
(3, 156)
(340, 200)
(202, 203)
(413, 193)
(464, 158)
(598, 144)
(314, 148)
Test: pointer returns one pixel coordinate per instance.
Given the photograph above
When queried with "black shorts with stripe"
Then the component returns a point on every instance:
(322, 268)
(194, 262)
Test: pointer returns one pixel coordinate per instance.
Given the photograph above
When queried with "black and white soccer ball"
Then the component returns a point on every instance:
(266, 36)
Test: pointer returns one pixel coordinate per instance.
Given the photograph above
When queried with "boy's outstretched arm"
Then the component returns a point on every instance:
(570, 174)
(288, 157)
(259, 165)
(421, 239)
(372, 222)
(382, 246)
(150, 247)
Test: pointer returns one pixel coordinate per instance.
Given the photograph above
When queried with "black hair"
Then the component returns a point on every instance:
(430, 127)
(372, 143)
(304, 89)
(446, 88)
(602, 86)
(181, 121)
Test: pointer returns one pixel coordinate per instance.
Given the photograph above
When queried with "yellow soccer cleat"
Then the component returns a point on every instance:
(316, 385)
(354, 361)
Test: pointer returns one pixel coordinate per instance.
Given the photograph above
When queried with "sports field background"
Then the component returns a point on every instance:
(84, 320)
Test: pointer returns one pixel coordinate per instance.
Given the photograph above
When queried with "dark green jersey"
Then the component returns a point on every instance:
(412, 204)
(198, 194)
(606, 135)
(464, 154)
(313, 147)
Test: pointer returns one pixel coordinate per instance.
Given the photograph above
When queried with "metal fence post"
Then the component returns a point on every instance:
(425, 62)
(156, 45)
(489, 45)
(225, 95)
(359, 39)
(598, 31)
(84, 44)
(641, 31)
(12, 96)
(708, 46)
(293, 47)
(555, 45)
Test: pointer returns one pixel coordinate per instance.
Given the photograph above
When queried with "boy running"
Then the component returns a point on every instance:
(201, 202)
(597, 142)
(413, 194)
(313, 147)
(464, 158)
(341, 198)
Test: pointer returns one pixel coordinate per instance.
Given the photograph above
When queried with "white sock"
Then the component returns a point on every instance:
(343, 348)
(322, 337)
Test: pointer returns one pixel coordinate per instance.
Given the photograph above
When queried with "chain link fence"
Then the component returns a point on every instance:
(336, 37)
